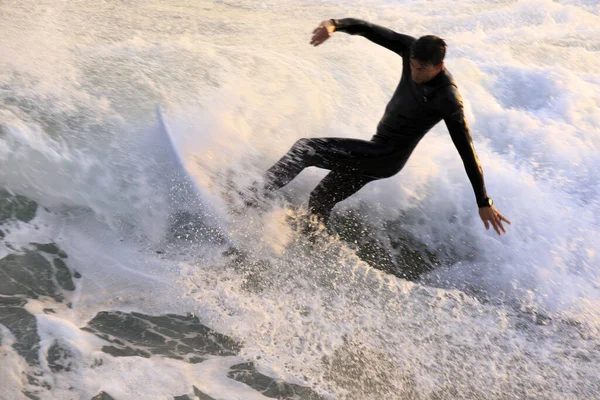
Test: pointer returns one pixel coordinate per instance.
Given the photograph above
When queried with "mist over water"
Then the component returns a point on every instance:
(142, 298)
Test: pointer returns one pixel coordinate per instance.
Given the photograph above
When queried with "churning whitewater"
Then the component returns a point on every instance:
(128, 271)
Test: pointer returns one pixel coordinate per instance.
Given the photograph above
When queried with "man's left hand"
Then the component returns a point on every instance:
(491, 216)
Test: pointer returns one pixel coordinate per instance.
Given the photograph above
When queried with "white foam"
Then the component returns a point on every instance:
(240, 85)
(12, 367)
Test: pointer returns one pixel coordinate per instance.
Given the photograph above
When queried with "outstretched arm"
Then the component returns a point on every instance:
(456, 122)
(396, 42)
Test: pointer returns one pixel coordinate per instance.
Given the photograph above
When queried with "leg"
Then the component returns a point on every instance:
(335, 187)
(328, 153)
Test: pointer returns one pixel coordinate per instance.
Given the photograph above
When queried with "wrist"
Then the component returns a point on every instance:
(334, 23)
(485, 202)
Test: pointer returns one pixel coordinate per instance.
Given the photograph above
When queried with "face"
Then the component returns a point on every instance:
(423, 72)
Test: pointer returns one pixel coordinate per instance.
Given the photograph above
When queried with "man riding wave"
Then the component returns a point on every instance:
(426, 94)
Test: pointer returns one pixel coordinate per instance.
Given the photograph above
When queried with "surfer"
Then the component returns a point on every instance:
(426, 94)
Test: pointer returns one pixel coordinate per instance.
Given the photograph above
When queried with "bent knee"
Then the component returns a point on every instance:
(302, 142)
(304, 146)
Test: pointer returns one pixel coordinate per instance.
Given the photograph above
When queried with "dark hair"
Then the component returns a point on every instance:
(429, 49)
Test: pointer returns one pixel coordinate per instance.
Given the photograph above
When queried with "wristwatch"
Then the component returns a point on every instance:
(487, 202)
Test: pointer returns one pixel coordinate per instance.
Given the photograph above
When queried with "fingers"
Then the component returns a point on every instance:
(497, 223)
(499, 227)
(504, 219)
(496, 227)
(493, 217)
(320, 34)
(317, 40)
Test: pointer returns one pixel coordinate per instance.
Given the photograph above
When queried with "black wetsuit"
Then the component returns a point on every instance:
(413, 110)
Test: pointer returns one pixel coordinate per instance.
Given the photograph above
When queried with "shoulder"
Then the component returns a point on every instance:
(448, 98)
(408, 39)
(449, 94)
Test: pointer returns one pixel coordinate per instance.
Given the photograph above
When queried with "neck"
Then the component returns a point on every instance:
(435, 76)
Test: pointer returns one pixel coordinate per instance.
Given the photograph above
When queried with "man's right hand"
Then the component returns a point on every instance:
(322, 32)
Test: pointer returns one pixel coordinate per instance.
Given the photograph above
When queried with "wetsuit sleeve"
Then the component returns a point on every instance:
(451, 107)
(396, 42)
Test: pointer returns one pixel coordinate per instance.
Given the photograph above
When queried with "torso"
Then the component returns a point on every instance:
(411, 112)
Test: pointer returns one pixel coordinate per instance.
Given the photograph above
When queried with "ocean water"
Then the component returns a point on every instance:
(124, 276)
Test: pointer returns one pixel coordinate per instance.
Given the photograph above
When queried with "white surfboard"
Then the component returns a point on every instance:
(190, 207)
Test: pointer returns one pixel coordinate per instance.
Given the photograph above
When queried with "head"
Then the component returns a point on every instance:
(427, 58)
